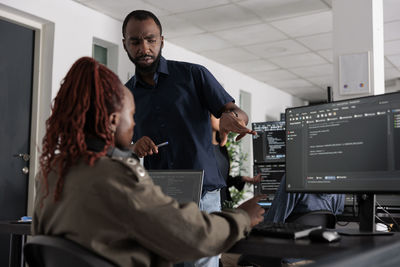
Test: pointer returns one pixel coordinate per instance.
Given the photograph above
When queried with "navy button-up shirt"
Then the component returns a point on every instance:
(177, 110)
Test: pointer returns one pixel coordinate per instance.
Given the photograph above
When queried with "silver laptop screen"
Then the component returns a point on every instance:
(183, 185)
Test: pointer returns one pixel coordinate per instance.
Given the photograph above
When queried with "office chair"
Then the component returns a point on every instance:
(52, 251)
(325, 218)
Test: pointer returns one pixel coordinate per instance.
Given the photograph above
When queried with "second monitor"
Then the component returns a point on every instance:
(269, 157)
(269, 143)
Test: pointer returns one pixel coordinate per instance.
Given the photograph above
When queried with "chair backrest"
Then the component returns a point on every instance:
(325, 218)
(51, 251)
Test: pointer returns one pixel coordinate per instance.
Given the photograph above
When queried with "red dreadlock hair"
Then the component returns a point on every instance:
(89, 93)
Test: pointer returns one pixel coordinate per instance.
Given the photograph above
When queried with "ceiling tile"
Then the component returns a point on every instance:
(328, 2)
(294, 61)
(253, 66)
(313, 71)
(327, 54)
(229, 55)
(221, 18)
(317, 42)
(392, 47)
(391, 10)
(274, 49)
(391, 31)
(252, 34)
(274, 75)
(388, 64)
(201, 42)
(260, 37)
(278, 9)
(290, 83)
(119, 9)
(392, 73)
(306, 25)
(176, 27)
(177, 6)
(322, 81)
(395, 60)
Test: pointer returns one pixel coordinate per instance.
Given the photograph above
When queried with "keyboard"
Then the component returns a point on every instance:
(283, 230)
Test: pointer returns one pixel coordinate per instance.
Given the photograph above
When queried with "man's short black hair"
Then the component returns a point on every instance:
(140, 15)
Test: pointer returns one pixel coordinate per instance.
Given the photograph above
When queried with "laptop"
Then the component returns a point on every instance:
(183, 185)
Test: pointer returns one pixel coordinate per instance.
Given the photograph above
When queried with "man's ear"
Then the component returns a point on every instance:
(162, 41)
(114, 120)
(123, 42)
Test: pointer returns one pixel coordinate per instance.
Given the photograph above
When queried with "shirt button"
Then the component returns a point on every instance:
(157, 107)
(162, 125)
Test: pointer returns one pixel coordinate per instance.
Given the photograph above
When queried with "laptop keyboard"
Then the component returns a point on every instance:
(283, 230)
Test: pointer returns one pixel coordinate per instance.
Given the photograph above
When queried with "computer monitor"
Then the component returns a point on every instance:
(350, 146)
(183, 185)
(271, 176)
(269, 143)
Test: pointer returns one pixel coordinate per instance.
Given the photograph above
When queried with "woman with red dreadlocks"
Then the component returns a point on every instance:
(94, 192)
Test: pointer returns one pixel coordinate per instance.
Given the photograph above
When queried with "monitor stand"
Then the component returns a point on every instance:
(366, 206)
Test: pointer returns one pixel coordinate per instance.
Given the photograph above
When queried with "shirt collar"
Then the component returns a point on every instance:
(162, 68)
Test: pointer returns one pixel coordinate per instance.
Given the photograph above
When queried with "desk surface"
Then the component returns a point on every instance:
(13, 227)
(304, 248)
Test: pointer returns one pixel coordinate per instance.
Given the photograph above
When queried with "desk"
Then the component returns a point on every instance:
(18, 233)
(322, 252)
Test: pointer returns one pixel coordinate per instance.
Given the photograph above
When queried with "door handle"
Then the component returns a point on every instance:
(24, 156)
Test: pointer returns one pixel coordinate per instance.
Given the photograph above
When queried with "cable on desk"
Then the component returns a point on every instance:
(390, 215)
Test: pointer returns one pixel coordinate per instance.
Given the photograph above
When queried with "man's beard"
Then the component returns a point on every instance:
(152, 68)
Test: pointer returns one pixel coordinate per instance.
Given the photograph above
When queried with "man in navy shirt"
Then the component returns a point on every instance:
(173, 103)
